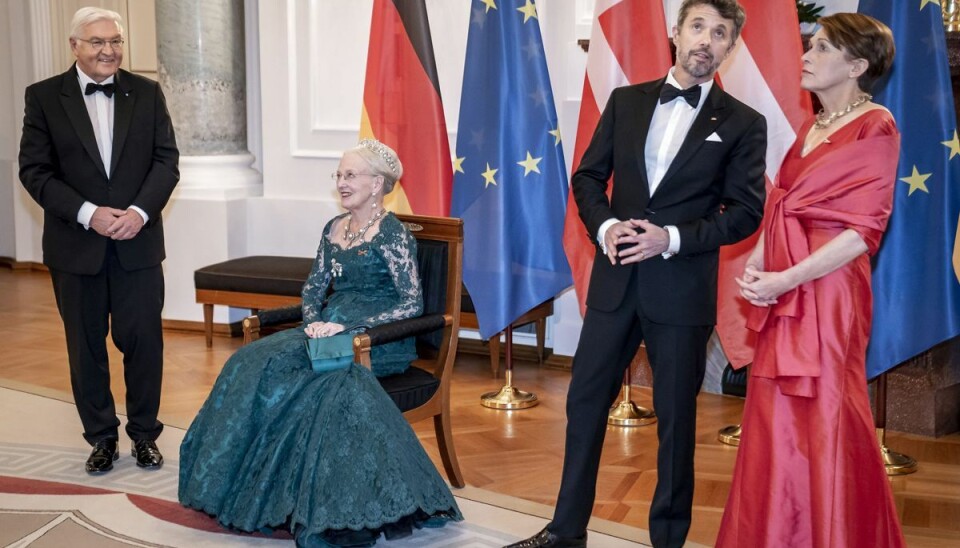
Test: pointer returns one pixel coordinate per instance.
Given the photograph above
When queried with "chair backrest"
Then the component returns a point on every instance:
(440, 262)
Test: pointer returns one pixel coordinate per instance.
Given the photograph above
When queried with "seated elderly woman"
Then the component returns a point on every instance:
(327, 456)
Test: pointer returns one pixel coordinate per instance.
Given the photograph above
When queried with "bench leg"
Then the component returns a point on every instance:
(541, 338)
(495, 355)
(208, 323)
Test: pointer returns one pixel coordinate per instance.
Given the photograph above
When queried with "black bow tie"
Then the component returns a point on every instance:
(92, 88)
(669, 92)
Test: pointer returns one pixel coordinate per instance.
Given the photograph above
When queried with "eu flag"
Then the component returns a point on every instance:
(510, 182)
(916, 276)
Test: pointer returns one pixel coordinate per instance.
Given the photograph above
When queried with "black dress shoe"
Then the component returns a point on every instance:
(546, 539)
(148, 456)
(102, 457)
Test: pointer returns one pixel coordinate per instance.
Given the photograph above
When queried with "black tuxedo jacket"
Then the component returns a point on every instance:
(60, 166)
(713, 192)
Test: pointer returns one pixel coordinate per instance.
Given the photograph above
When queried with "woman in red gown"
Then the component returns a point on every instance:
(809, 471)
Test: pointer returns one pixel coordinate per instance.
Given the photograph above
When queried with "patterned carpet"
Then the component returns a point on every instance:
(48, 501)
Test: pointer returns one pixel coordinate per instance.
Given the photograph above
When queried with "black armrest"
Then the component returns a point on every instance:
(401, 329)
(277, 316)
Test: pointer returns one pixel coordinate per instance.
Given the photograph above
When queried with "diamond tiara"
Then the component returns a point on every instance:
(381, 149)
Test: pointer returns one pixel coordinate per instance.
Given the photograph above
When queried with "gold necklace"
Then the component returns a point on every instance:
(824, 120)
(349, 237)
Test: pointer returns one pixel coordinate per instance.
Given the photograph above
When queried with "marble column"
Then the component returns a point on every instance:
(200, 57)
(201, 66)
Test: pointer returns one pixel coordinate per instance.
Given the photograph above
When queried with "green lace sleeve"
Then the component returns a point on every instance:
(399, 251)
(318, 281)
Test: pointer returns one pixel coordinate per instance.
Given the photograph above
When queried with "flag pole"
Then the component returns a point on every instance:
(508, 397)
(627, 413)
(730, 435)
(896, 464)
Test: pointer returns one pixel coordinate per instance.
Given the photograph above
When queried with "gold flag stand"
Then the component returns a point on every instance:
(730, 435)
(627, 413)
(509, 397)
(896, 464)
(951, 15)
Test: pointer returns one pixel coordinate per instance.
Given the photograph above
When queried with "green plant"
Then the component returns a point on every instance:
(808, 12)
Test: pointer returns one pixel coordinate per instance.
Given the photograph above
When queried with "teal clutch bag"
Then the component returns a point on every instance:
(331, 353)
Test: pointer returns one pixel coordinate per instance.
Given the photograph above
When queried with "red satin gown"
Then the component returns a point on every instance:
(809, 472)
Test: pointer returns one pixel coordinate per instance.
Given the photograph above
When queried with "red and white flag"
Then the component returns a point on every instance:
(763, 72)
(628, 45)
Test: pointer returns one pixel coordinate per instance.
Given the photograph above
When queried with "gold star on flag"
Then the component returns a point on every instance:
(458, 163)
(528, 10)
(953, 145)
(490, 4)
(917, 181)
(530, 164)
(488, 176)
(556, 134)
(923, 3)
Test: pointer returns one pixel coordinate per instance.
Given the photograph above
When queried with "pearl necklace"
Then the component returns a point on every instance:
(824, 120)
(350, 237)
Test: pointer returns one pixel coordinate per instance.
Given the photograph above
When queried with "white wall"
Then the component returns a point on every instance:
(31, 63)
(8, 147)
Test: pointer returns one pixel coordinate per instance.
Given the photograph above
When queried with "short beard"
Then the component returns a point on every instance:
(697, 69)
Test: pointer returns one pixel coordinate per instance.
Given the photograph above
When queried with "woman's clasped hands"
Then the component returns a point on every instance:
(762, 288)
(318, 330)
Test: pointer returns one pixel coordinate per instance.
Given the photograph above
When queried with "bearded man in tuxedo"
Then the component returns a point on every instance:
(689, 161)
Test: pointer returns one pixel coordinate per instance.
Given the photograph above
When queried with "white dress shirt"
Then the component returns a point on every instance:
(668, 128)
(100, 109)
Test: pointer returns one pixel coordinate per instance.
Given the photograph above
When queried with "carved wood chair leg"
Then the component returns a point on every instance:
(447, 452)
(208, 324)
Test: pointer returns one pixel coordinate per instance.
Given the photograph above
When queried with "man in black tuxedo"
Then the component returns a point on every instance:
(689, 166)
(99, 155)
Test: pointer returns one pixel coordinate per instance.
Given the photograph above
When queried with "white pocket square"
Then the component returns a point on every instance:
(715, 138)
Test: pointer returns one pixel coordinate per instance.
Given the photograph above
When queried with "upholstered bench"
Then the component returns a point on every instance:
(256, 283)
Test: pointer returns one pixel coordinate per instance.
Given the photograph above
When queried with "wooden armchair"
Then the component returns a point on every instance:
(423, 390)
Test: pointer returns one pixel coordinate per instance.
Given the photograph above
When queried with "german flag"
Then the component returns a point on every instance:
(402, 106)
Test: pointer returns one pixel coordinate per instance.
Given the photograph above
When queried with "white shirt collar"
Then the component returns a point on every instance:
(84, 79)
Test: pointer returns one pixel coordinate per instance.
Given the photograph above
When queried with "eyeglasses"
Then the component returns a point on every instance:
(348, 176)
(98, 44)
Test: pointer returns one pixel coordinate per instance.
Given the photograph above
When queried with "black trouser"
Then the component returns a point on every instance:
(608, 343)
(127, 304)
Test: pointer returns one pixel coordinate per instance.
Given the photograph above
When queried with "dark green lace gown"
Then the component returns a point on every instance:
(327, 456)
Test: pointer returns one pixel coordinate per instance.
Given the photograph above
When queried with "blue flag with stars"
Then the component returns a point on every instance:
(510, 180)
(916, 275)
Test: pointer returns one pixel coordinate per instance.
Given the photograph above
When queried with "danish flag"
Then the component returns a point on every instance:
(629, 45)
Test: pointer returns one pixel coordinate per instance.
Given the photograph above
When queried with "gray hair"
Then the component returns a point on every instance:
(382, 160)
(88, 15)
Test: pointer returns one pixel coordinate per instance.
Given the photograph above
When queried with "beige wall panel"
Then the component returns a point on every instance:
(142, 37)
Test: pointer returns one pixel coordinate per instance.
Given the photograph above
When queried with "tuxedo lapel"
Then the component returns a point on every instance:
(649, 95)
(708, 120)
(123, 101)
(72, 100)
